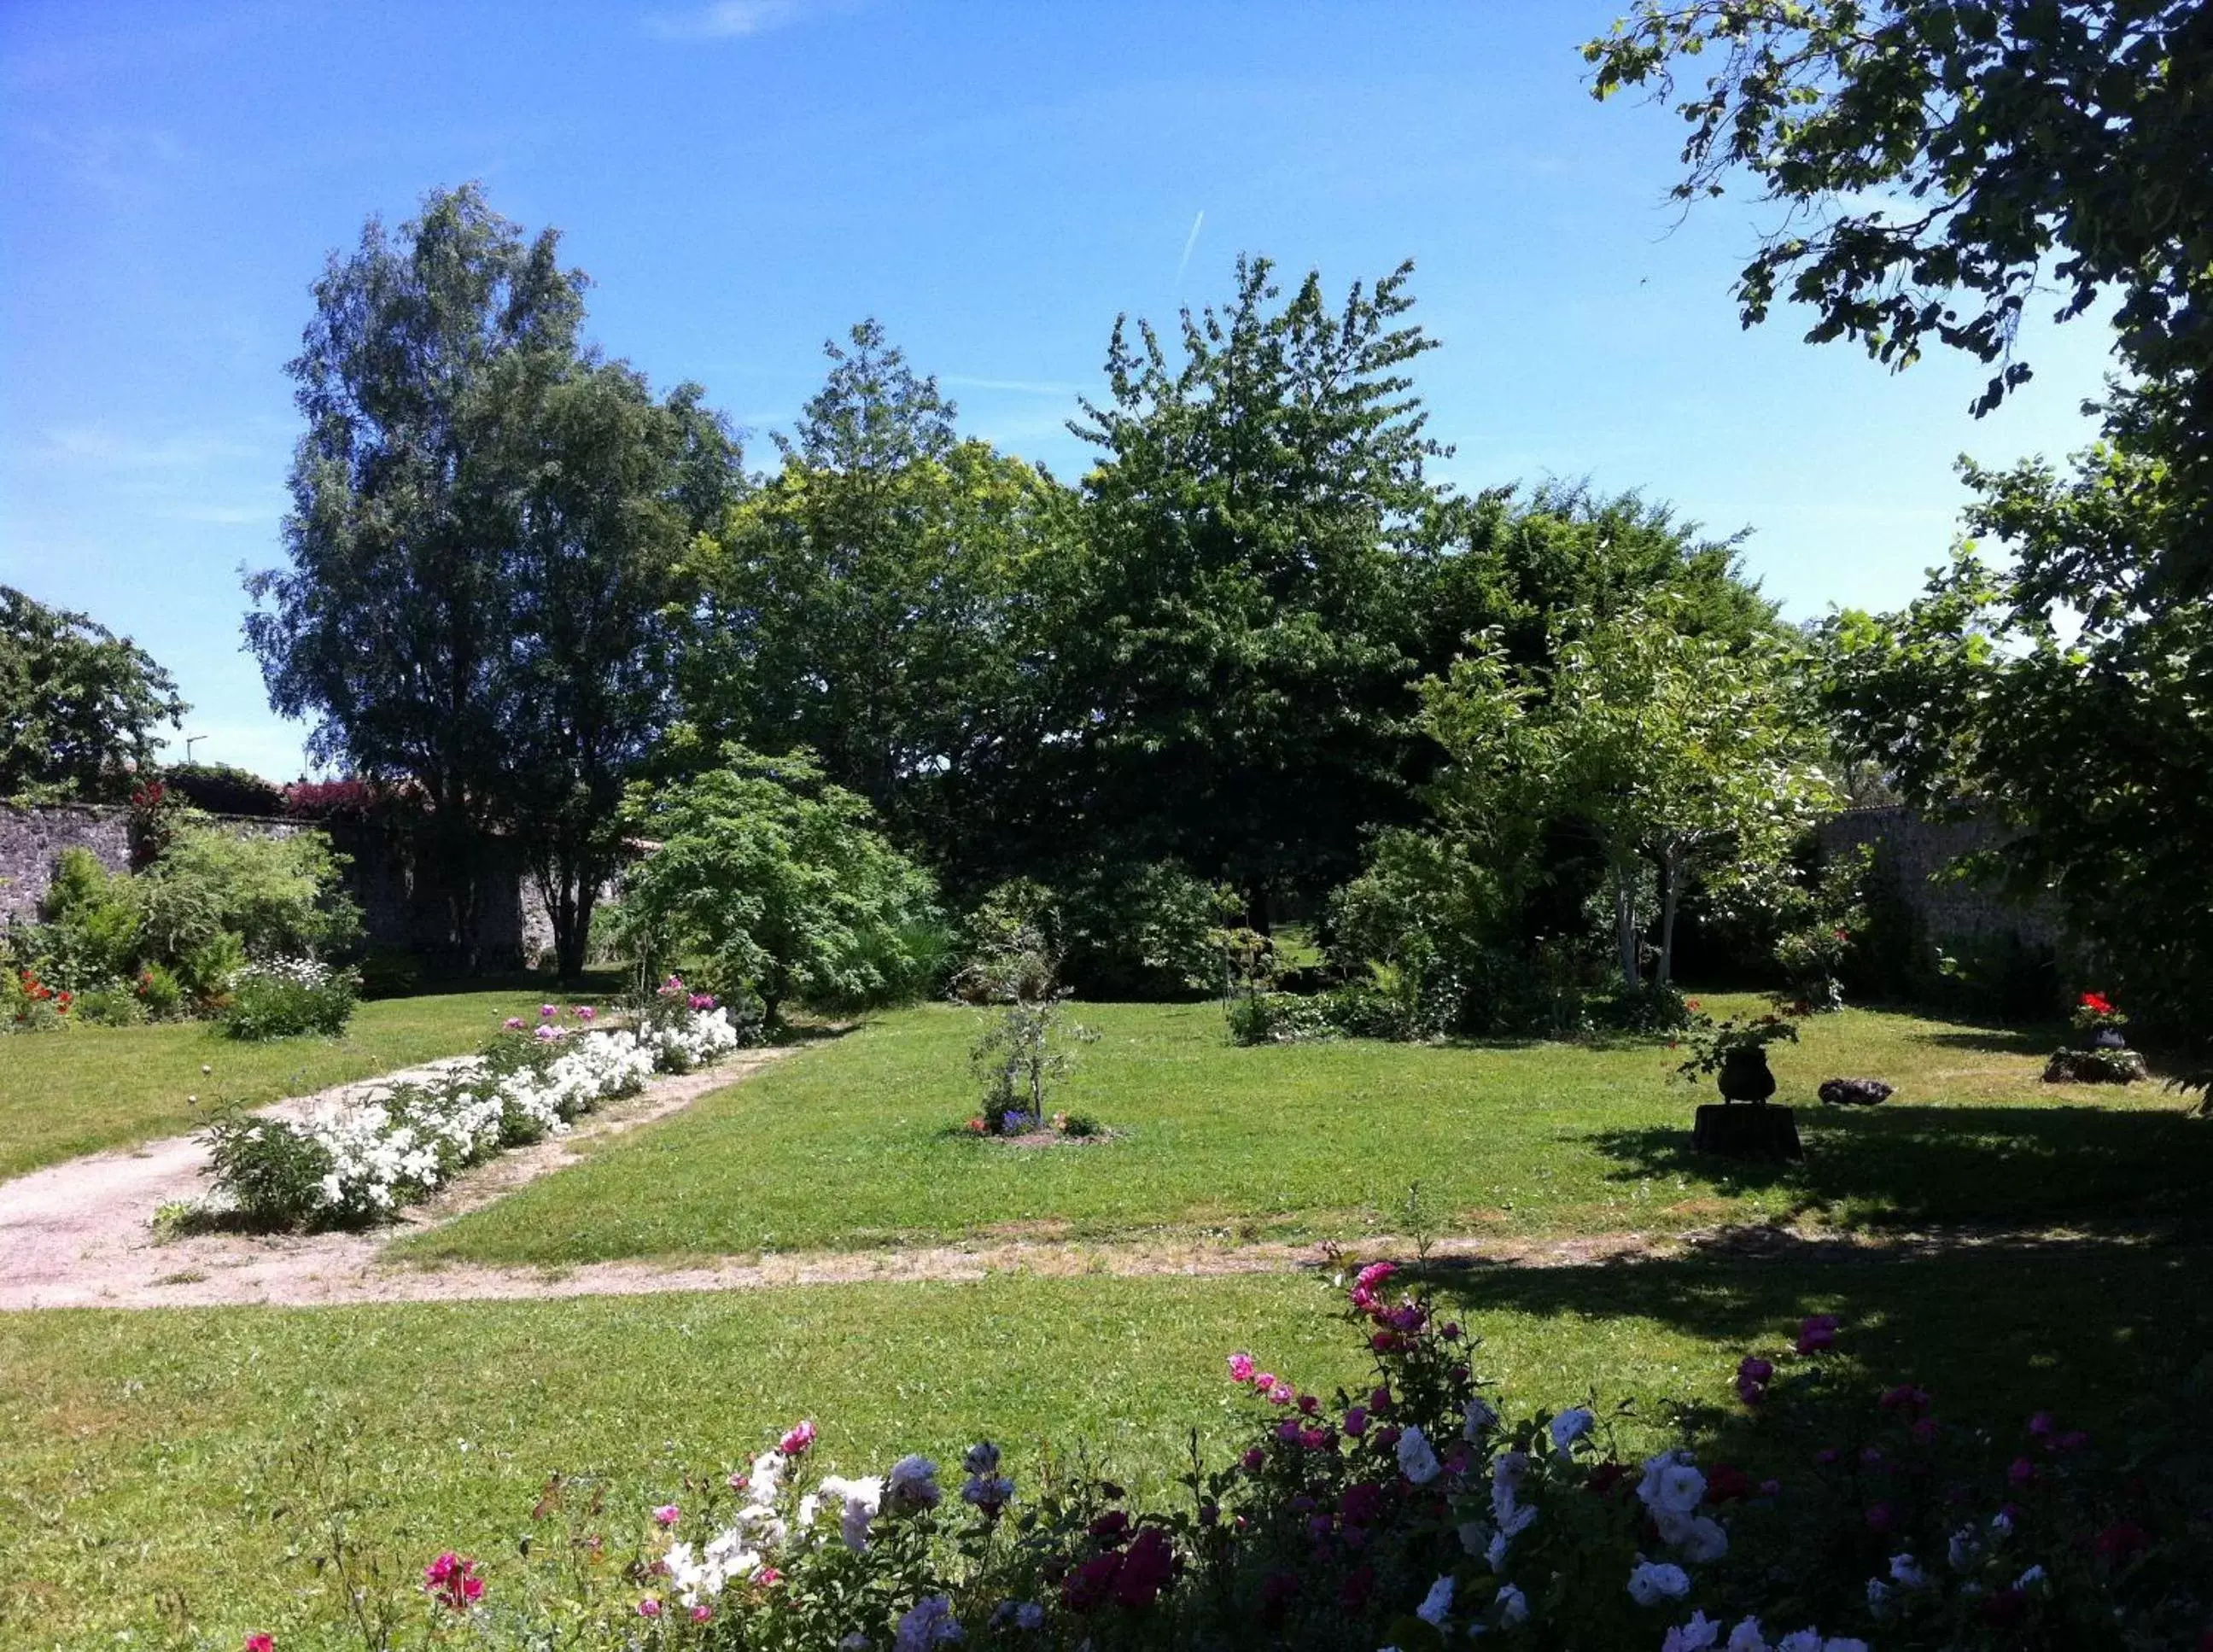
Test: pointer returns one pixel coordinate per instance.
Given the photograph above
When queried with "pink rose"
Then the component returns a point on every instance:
(1241, 1368)
(667, 1515)
(795, 1443)
(648, 1607)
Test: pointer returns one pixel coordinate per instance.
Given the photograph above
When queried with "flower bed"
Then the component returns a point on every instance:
(1414, 1513)
(358, 1162)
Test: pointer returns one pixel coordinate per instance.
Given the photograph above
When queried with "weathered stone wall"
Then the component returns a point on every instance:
(31, 838)
(1911, 855)
(400, 907)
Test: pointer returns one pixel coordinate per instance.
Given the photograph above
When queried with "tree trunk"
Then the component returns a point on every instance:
(1671, 881)
(572, 925)
(1625, 924)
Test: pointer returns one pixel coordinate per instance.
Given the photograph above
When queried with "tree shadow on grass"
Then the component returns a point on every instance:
(2086, 1325)
(1911, 1166)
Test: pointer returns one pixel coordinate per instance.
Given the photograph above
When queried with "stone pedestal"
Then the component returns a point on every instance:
(1748, 1132)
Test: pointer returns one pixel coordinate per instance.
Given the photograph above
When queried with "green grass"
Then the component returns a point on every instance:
(151, 1456)
(64, 1093)
(856, 1144)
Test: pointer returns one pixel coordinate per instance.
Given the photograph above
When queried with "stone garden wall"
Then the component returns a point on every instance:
(399, 908)
(1911, 853)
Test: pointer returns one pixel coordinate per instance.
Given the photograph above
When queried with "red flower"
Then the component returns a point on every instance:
(1146, 1568)
(2097, 1003)
(260, 1644)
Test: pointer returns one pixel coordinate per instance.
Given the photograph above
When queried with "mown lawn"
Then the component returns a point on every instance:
(153, 1473)
(64, 1093)
(858, 1143)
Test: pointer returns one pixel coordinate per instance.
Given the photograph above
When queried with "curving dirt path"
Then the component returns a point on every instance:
(80, 1235)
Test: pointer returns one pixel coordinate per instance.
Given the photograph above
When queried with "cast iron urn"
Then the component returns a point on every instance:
(1745, 1075)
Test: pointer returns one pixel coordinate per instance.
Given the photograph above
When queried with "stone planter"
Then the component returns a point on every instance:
(1757, 1132)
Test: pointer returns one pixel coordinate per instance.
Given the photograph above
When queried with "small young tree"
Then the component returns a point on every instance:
(1022, 1052)
(775, 877)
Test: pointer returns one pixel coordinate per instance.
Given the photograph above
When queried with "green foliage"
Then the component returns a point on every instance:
(78, 706)
(1675, 752)
(160, 990)
(272, 1173)
(216, 898)
(1249, 527)
(881, 599)
(289, 1002)
(94, 924)
(2019, 131)
(109, 1006)
(222, 789)
(775, 877)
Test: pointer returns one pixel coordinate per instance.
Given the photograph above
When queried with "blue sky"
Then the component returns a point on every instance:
(995, 180)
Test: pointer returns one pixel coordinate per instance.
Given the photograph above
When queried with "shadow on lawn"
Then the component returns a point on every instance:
(2081, 1325)
(1904, 1166)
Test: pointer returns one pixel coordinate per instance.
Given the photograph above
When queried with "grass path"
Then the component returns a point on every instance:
(63, 1094)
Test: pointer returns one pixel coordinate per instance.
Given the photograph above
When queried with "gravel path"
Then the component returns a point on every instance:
(80, 1235)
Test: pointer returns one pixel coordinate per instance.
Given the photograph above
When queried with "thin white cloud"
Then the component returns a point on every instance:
(1189, 241)
(728, 20)
(95, 444)
(1020, 386)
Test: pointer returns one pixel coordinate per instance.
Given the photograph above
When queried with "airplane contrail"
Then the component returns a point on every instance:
(1189, 241)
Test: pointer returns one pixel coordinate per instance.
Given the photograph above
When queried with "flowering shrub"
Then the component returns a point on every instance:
(360, 1162)
(2103, 1056)
(686, 1029)
(285, 997)
(1415, 1512)
(31, 1005)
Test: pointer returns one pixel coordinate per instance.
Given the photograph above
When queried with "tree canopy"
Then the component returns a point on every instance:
(79, 705)
(485, 519)
(1943, 161)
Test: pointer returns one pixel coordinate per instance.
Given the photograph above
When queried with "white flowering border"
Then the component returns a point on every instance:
(398, 1144)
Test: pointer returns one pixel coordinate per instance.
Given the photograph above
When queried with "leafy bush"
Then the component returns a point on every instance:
(223, 788)
(280, 897)
(91, 931)
(110, 1006)
(160, 990)
(775, 878)
(271, 1176)
(1022, 1052)
(286, 997)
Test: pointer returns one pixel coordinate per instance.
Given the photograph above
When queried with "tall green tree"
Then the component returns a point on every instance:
(1942, 162)
(1679, 755)
(1238, 663)
(79, 705)
(483, 516)
(880, 598)
(598, 470)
